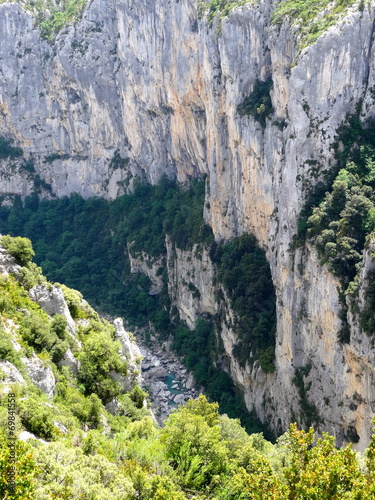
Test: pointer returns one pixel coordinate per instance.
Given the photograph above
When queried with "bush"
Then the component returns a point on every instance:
(138, 396)
(7, 150)
(258, 104)
(31, 275)
(25, 466)
(35, 330)
(38, 418)
(7, 351)
(58, 326)
(52, 18)
(100, 357)
(19, 247)
(74, 300)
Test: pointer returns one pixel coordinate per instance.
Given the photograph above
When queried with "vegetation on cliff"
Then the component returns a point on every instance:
(221, 8)
(51, 16)
(258, 103)
(311, 17)
(340, 215)
(84, 244)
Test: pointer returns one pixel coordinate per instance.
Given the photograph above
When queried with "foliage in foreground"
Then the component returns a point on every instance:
(199, 455)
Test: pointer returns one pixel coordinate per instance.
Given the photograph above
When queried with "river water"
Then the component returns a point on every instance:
(165, 378)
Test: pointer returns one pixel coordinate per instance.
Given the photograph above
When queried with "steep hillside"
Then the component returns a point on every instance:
(269, 102)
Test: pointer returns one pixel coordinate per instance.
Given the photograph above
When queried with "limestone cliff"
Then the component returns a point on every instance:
(147, 89)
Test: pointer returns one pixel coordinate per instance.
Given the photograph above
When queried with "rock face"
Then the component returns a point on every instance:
(40, 374)
(191, 282)
(51, 300)
(130, 351)
(159, 87)
(8, 263)
(10, 375)
(145, 264)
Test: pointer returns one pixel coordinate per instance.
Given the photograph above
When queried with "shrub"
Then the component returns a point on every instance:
(99, 357)
(31, 275)
(73, 299)
(58, 326)
(25, 466)
(38, 418)
(7, 150)
(258, 104)
(137, 396)
(19, 247)
(7, 351)
(36, 331)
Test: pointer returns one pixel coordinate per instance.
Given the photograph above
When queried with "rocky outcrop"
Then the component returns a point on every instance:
(40, 374)
(70, 361)
(8, 263)
(150, 267)
(51, 300)
(131, 353)
(161, 88)
(191, 282)
(10, 375)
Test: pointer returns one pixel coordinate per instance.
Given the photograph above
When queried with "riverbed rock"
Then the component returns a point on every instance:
(190, 383)
(179, 399)
(158, 372)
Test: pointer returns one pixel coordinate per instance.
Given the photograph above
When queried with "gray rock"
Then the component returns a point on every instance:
(25, 436)
(40, 374)
(158, 372)
(8, 263)
(130, 351)
(70, 361)
(113, 406)
(179, 399)
(190, 383)
(61, 427)
(12, 375)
